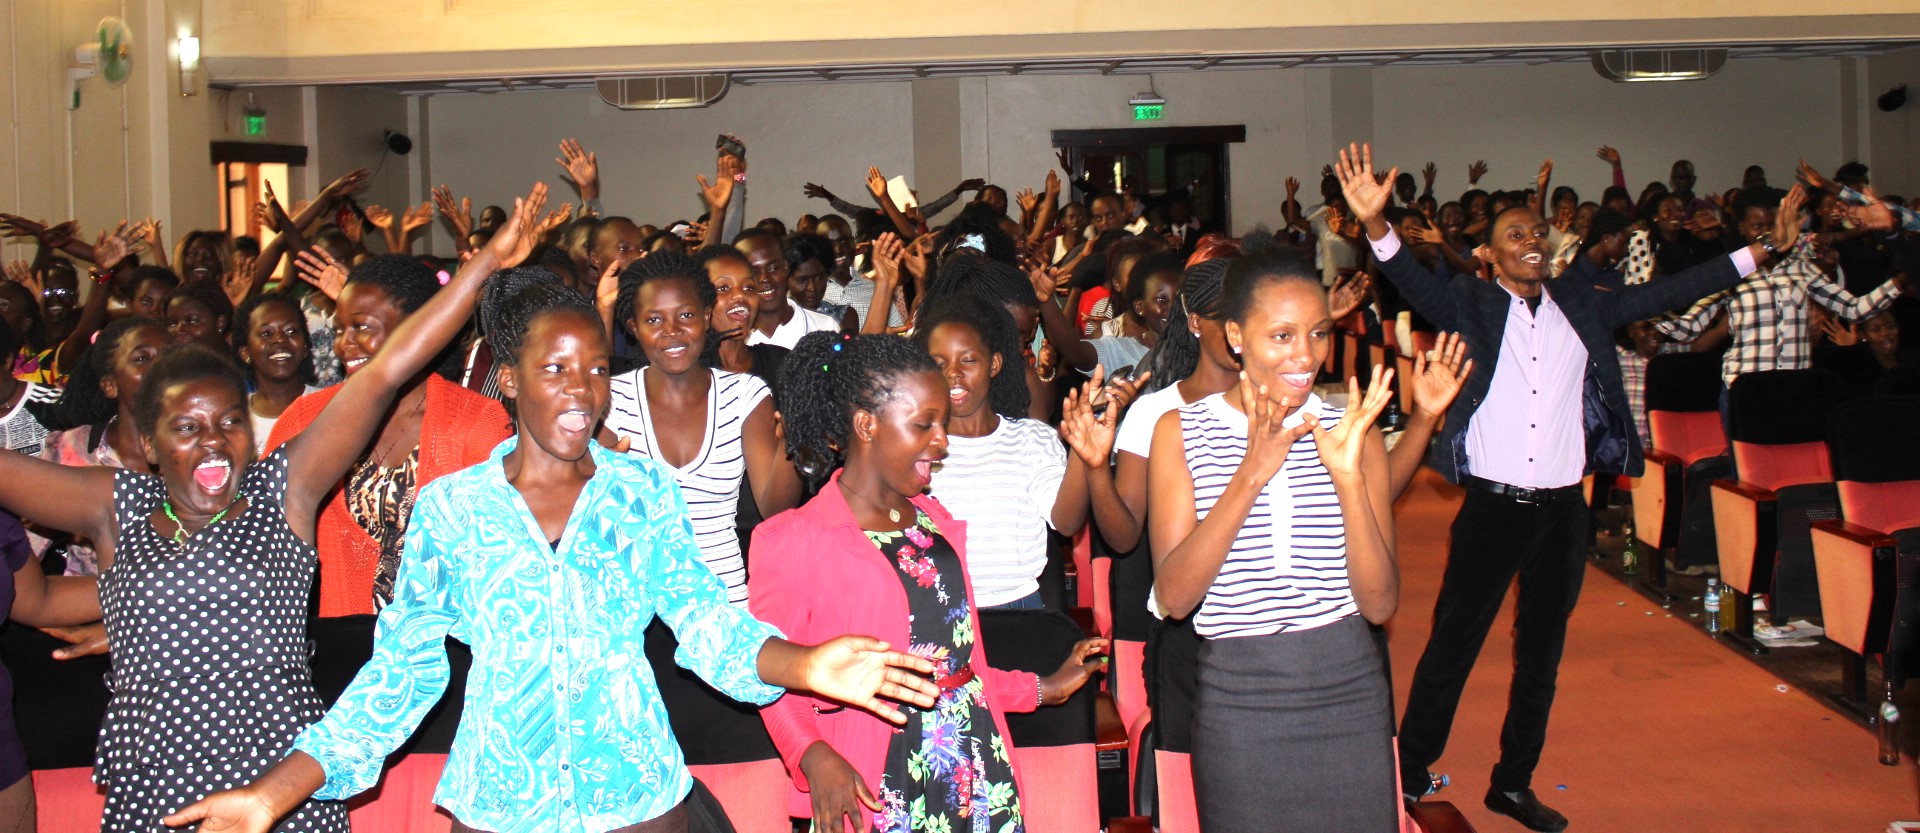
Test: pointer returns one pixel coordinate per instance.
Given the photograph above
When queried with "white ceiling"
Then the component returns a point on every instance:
(1137, 65)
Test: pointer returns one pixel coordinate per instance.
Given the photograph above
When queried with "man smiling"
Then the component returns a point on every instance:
(1544, 404)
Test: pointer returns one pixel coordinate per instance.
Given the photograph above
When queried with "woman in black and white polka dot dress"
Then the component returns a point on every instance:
(206, 569)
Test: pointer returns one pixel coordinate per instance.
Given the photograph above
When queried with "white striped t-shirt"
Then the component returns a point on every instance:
(1287, 569)
(711, 480)
(1003, 485)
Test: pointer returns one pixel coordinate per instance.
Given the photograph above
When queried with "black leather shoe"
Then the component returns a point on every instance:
(1525, 808)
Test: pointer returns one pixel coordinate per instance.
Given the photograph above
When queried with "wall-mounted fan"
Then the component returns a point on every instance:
(109, 55)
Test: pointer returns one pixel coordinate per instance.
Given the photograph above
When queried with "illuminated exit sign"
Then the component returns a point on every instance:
(1148, 112)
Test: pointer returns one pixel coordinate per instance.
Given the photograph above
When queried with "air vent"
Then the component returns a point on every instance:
(1658, 64)
(669, 92)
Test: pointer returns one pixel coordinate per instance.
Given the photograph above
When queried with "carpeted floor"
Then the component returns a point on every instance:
(1656, 726)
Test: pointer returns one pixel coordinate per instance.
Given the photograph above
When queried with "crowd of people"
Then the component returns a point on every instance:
(799, 461)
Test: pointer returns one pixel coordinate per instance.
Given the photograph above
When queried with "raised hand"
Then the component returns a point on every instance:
(606, 293)
(20, 272)
(350, 183)
(582, 168)
(154, 239)
(1028, 201)
(354, 230)
(459, 214)
(515, 238)
(1875, 214)
(876, 183)
(1367, 193)
(1475, 171)
(380, 218)
(417, 218)
(1702, 221)
(1786, 224)
(976, 185)
(1340, 447)
(238, 281)
(317, 267)
(1044, 279)
(555, 219)
(1080, 666)
(914, 258)
(1428, 174)
(1348, 293)
(1052, 185)
(888, 252)
(1608, 155)
(860, 671)
(1813, 179)
(1842, 335)
(1268, 439)
(1293, 187)
(720, 192)
(696, 235)
(1088, 433)
(1438, 375)
(110, 249)
(816, 191)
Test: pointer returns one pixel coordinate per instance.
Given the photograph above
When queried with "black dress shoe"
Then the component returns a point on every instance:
(1525, 808)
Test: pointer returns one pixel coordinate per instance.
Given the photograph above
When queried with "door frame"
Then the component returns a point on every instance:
(1075, 142)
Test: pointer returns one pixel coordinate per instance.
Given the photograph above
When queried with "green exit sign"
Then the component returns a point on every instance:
(1147, 112)
(256, 124)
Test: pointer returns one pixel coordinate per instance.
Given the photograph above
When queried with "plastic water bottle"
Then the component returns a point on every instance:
(1630, 557)
(1712, 600)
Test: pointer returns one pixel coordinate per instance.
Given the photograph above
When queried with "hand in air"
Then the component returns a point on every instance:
(1268, 439)
(1348, 293)
(317, 267)
(1340, 446)
(1367, 193)
(1438, 374)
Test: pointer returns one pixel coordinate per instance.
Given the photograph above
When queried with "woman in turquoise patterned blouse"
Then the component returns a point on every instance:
(550, 559)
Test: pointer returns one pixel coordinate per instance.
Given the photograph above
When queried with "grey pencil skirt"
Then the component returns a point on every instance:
(1293, 733)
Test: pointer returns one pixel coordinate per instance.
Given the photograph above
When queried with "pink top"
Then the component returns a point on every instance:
(814, 575)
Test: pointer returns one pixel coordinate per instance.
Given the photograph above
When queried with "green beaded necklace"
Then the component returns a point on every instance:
(180, 529)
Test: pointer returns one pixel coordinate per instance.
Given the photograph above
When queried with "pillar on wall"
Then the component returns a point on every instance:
(936, 134)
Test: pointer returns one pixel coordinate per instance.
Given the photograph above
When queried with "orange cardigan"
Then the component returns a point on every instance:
(458, 429)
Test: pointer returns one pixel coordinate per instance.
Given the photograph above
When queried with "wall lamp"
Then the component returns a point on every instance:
(189, 48)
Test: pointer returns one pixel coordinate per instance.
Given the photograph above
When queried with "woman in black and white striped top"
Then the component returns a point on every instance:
(1270, 522)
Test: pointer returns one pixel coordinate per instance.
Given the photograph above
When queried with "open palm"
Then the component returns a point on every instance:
(860, 671)
(1367, 193)
(1340, 446)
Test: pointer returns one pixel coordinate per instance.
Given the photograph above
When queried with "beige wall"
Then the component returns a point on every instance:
(492, 147)
(1513, 117)
(305, 41)
(1893, 139)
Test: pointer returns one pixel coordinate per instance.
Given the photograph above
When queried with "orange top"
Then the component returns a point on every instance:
(459, 428)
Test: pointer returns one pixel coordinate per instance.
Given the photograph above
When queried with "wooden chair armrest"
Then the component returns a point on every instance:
(1662, 458)
(1108, 732)
(1746, 490)
(1130, 824)
(1856, 534)
(1439, 817)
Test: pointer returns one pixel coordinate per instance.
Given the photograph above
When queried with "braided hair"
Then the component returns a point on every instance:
(1178, 352)
(513, 298)
(1604, 222)
(963, 272)
(825, 379)
(662, 266)
(1007, 391)
(977, 219)
(406, 281)
(82, 401)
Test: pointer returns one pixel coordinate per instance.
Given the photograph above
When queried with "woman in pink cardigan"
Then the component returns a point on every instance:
(873, 554)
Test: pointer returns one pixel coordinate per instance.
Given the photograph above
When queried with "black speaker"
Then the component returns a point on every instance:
(1893, 99)
(399, 143)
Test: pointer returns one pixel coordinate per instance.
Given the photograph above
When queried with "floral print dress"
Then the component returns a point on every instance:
(947, 769)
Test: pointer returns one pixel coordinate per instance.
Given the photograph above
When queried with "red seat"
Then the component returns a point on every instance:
(403, 801)
(1777, 427)
(1877, 468)
(1683, 420)
(754, 794)
(68, 801)
(1179, 812)
(1062, 792)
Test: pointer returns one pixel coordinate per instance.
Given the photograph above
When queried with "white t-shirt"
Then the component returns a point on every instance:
(803, 321)
(1004, 485)
(711, 480)
(262, 426)
(19, 430)
(1135, 436)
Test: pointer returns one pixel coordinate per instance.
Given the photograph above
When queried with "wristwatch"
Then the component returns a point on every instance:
(1766, 244)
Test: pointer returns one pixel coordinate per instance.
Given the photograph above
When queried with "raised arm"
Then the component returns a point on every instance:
(877, 186)
(583, 170)
(1073, 348)
(1367, 196)
(1612, 157)
(113, 263)
(1437, 378)
(321, 454)
(76, 499)
(1637, 302)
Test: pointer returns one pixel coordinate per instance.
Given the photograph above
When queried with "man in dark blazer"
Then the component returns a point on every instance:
(1544, 404)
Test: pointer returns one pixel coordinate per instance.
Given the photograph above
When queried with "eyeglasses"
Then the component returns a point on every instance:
(59, 292)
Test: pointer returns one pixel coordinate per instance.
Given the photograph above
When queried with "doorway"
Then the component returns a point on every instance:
(1155, 161)
(242, 171)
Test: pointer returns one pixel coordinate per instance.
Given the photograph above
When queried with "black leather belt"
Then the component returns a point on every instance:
(1522, 495)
